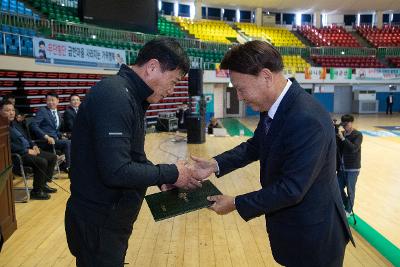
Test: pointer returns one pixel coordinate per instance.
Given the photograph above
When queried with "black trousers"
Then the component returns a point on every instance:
(94, 245)
(43, 167)
(389, 108)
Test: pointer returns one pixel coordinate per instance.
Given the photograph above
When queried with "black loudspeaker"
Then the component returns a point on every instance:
(195, 82)
(196, 130)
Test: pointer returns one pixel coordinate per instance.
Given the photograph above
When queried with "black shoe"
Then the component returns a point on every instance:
(39, 195)
(48, 189)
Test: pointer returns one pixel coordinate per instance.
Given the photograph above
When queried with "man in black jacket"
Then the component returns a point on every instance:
(348, 160)
(70, 113)
(41, 162)
(110, 171)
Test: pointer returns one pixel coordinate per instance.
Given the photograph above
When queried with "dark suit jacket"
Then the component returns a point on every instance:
(43, 124)
(17, 146)
(69, 118)
(300, 196)
(388, 100)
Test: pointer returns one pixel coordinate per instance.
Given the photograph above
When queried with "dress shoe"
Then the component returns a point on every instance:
(48, 189)
(39, 195)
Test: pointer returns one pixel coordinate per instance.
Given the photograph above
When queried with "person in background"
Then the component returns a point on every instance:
(70, 113)
(213, 124)
(348, 164)
(41, 162)
(389, 103)
(182, 113)
(47, 126)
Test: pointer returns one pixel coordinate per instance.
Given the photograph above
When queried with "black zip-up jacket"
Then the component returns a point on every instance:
(109, 170)
(350, 150)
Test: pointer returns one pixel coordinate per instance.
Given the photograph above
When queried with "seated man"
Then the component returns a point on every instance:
(213, 124)
(41, 162)
(47, 125)
(71, 112)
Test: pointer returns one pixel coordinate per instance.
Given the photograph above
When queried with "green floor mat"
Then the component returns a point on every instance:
(234, 126)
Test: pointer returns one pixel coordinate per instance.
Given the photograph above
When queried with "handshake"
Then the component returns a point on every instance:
(191, 174)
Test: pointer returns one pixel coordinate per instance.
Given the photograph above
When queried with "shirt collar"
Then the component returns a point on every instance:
(137, 86)
(274, 107)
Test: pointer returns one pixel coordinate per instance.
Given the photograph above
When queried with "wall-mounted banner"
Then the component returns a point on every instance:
(47, 51)
(377, 74)
(221, 73)
(340, 73)
(315, 73)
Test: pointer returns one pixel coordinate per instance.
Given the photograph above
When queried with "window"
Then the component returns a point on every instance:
(306, 19)
(229, 14)
(245, 16)
(366, 19)
(386, 18)
(288, 18)
(349, 20)
(203, 12)
(167, 8)
(184, 10)
(214, 13)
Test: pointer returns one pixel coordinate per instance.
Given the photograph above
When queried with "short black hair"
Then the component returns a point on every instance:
(8, 96)
(52, 94)
(5, 103)
(252, 57)
(73, 96)
(41, 42)
(347, 118)
(167, 51)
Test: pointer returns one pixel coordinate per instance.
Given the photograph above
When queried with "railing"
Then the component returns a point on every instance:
(342, 51)
(17, 20)
(388, 52)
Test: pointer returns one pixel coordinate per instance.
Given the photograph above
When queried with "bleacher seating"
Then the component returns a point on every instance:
(329, 36)
(276, 35)
(16, 7)
(165, 27)
(15, 39)
(54, 11)
(394, 61)
(388, 36)
(295, 63)
(209, 30)
(349, 62)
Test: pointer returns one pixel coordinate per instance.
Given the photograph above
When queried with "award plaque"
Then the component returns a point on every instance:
(167, 204)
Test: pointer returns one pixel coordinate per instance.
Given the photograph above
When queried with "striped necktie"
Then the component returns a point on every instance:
(267, 123)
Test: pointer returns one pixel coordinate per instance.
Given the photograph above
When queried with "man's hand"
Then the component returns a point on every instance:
(222, 204)
(166, 187)
(50, 140)
(340, 135)
(32, 152)
(186, 179)
(36, 148)
(203, 168)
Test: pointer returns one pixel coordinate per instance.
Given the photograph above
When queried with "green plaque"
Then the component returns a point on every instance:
(167, 204)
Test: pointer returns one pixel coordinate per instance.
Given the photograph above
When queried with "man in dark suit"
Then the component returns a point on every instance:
(70, 113)
(389, 104)
(182, 113)
(41, 162)
(295, 143)
(47, 125)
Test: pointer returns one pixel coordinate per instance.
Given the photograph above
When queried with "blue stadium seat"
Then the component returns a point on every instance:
(31, 32)
(23, 31)
(12, 50)
(24, 51)
(30, 51)
(8, 39)
(5, 28)
(14, 30)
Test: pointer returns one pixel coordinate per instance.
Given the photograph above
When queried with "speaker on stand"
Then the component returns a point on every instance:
(196, 128)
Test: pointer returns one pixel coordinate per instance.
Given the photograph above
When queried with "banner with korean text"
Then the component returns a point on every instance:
(47, 51)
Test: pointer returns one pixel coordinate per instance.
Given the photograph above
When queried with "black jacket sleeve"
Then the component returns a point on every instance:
(114, 137)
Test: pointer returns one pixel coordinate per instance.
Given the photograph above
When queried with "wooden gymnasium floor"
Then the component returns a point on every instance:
(203, 238)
